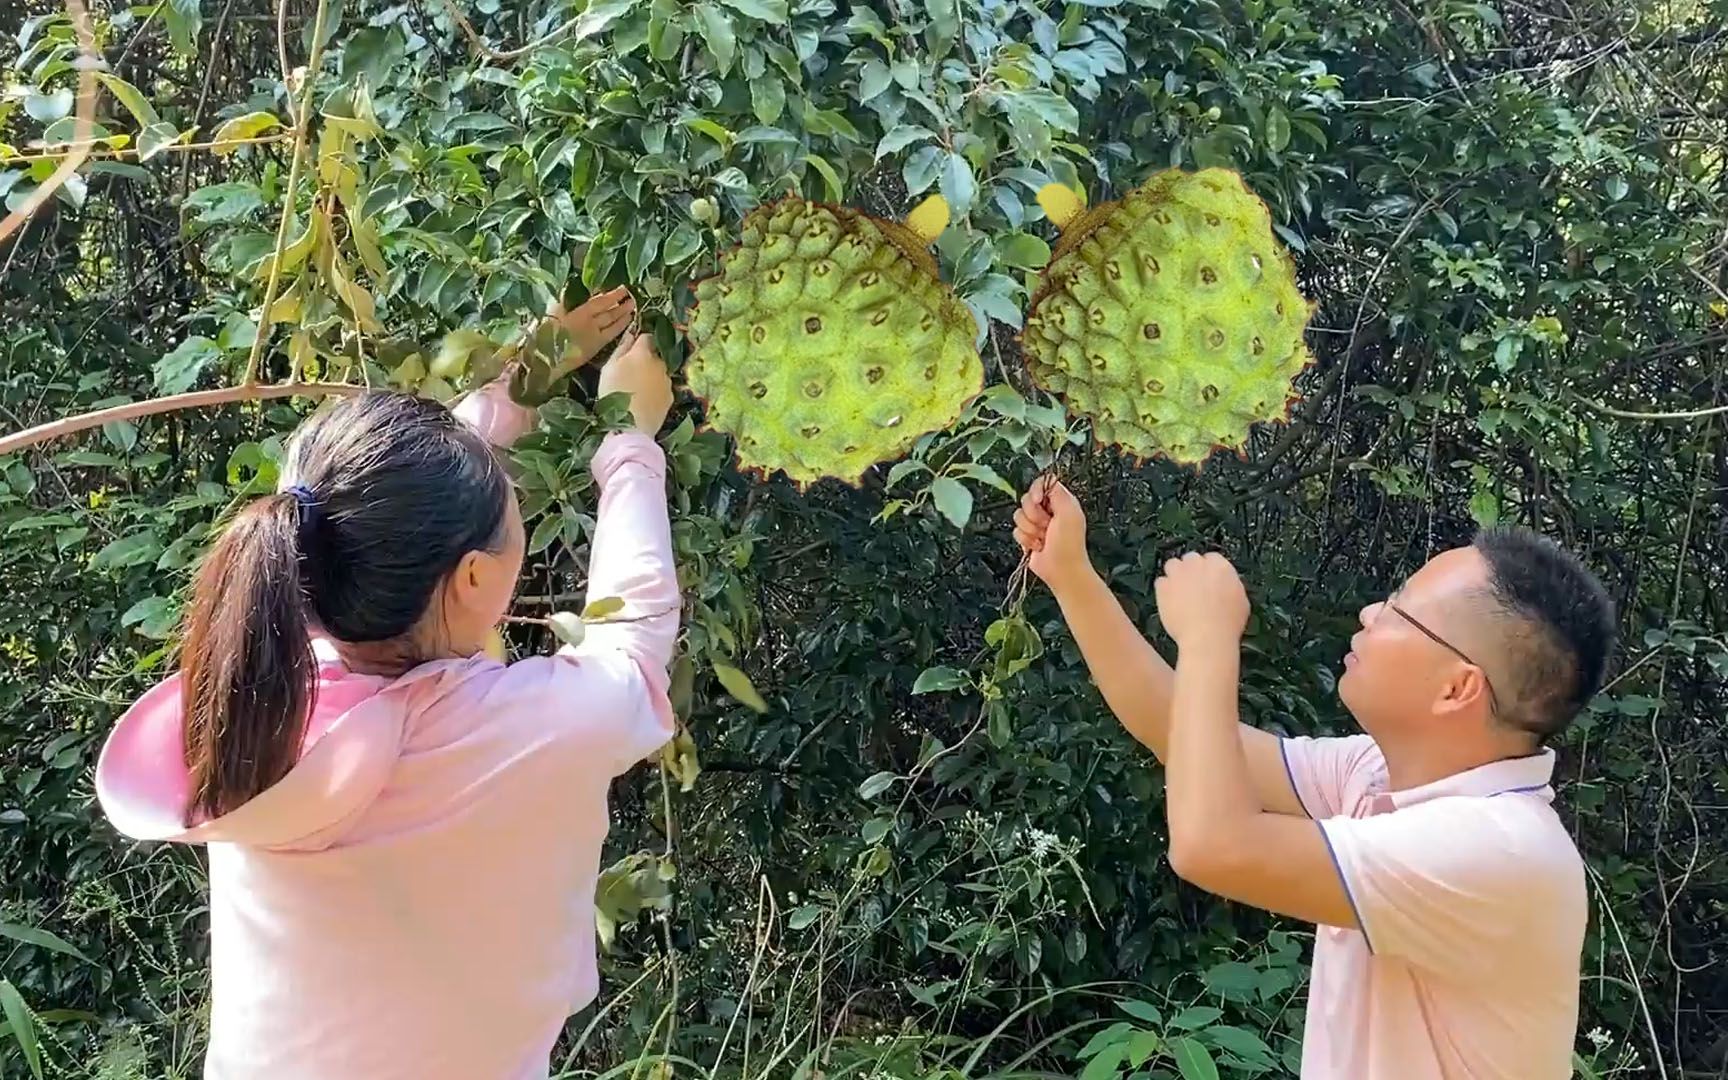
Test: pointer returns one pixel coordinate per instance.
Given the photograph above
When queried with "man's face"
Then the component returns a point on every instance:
(1415, 660)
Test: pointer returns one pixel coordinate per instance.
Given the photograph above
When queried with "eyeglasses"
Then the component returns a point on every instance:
(1493, 699)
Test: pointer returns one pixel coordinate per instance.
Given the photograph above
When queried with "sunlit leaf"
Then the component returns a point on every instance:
(739, 686)
(233, 133)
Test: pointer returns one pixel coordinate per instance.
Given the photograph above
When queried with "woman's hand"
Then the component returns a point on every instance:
(636, 369)
(592, 326)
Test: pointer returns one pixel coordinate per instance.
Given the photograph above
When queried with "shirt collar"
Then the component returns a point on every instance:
(1530, 775)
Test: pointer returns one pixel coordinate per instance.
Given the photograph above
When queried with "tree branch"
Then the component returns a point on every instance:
(507, 56)
(1609, 410)
(197, 399)
(302, 125)
(89, 61)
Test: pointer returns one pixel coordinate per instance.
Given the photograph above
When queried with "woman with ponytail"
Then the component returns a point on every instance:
(403, 832)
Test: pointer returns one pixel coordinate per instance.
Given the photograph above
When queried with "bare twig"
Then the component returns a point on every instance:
(302, 124)
(177, 148)
(1689, 414)
(506, 56)
(204, 90)
(197, 399)
(89, 61)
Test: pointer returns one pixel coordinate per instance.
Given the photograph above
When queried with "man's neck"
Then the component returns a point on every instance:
(1416, 764)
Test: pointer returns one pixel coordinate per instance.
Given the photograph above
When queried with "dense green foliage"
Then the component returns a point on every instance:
(933, 854)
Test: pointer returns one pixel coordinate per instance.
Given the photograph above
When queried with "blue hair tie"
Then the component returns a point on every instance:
(308, 504)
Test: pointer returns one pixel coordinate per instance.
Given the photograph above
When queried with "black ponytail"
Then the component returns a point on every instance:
(390, 492)
(246, 659)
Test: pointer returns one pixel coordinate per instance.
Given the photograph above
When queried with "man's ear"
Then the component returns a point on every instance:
(1465, 688)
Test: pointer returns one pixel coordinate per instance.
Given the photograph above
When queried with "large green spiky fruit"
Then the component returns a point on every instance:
(827, 343)
(1169, 318)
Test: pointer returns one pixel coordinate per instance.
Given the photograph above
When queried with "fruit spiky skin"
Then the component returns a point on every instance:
(1171, 318)
(827, 343)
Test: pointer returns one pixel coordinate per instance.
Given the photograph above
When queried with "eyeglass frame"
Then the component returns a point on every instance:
(1493, 698)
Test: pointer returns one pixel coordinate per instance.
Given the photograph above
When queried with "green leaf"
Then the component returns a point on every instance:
(829, 176)
(23, 1026)
(873, 78)
(1143, 1011)
(803, 917)
(155, 617)
(900, 138)
(1232, 977)
(876, 785)
(953, 499)
(829, 122)
(1193, 1060)
(1142, 1045)
(684, 242)
(958, 185)
(932, 680)
(644, 244)
(29, 935)
(228, 137)
(156, 138)
(1102, 1040)
(1484, 507)
(984, 474)
(760, 133)
(184, 18)
(739, 686)
(179, 370)
(1107, 1065)
(597, 262)
(1212, 151)
(598, 17)
(1052, 108)
(767, 98)
(771, 11)
(1023, 251)
(221, 203)
(711, 129)
(1240, 1042)
(715, 26)
(922, 167)
(135, 549)
(901, 469)
(544, 533)
(129, 96)
(1194, 1016)
(1277, 129)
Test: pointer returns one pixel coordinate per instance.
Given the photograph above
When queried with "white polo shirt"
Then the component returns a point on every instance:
(1471, 898)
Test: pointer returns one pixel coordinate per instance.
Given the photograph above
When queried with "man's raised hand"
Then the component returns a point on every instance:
(1201, 601)
(1051, 527)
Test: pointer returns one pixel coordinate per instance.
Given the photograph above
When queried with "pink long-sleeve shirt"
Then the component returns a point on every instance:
(415, 899)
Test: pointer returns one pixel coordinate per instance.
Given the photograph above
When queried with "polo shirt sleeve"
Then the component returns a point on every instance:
(1328, 775)
(1445, 885)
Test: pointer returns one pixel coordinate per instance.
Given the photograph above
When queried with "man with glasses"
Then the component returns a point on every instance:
(1448, 898)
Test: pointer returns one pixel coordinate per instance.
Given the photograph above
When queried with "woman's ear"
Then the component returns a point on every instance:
(468, 580)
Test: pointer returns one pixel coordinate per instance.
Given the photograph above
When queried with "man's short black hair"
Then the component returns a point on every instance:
(1560, 632)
